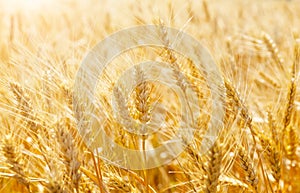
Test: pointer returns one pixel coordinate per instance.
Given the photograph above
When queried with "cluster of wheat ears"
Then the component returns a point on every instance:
(255, 45)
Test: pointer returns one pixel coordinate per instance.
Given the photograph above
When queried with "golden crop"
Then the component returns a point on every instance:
(255, 44)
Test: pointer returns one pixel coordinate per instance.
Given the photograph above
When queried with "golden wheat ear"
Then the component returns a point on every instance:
(70, 155)
(14, 159)
(247, 166)
(213, 168)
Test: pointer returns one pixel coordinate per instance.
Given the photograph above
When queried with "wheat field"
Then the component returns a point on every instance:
(255, 45)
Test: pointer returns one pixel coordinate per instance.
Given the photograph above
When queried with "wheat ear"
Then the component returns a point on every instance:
(292, 142)
(272, 156)
(70, 154)
(213, 168)
(118, 184)
(232, 94)
(24, 105)
(273, 49)
(247, 166)
(290, 104)
(142, 95)
(13, 158)
(122, 108)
